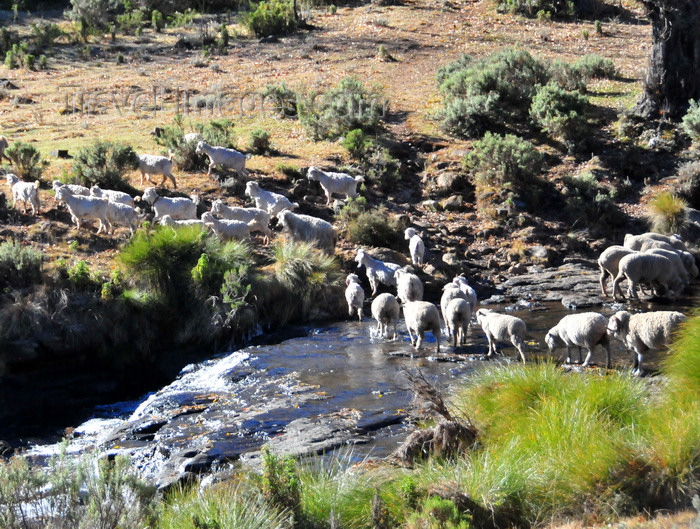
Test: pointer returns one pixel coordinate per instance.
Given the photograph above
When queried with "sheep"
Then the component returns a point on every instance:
(385, 309)
(112, 196)
(167, 220)
(26, 192)
(153, 164)
(268, 201)
(586, 329)
(354, 295)
(230, 158)
(4, 144)
(193, 137)
(82, 207)
(422, 316)
(408, 285)
(449, 292)
(459, 313)
(647, 268)
(76, 189)
(675, 258)
(502, 327)
(635, 242)
(609, 263)
(122, 214)
(339, 183)
(227, 230)
(463, 284)
(179, 208)
(309, 229)
(651, 331)
(377, 271)
(690, 266)
(415, 246)
(259, 216)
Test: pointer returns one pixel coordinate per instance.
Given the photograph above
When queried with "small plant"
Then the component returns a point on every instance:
(80, 276)
(273, 17)
(559, 112)
(592, 66)
(280, 482)
(259, 142)
(181, 20)
(564, 9)
(30, 61)
(332, 9)
(19, 266)
(357, 144)
(43, 62)
(120, 58)
(104, 163)
(26, 160)
(290, 171)
(157, 21)
(283, 99)
(666, 213)
(224, 37)
(45, 35)
(370, 227)
(585, 34)
(598, 28)
(691, 121)
(93, 15)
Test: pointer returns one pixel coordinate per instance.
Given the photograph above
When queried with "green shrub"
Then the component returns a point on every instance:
(691, 121)
(26, 160)
(15, 57)
(373, 227)
(439, 513)
(357, 144)
(346, 106)
(273, 17)
(566, 76)
(280, 482)
(224, 37)
(282, 98)
(666, 213)
(19, 266)
(45, 34)
(104, 163)
(593, 66)
(80, 276)
(689, 183)
(382, 169)
(157, 21)
(560, 113)
(564, 9)
(131, 21)
(94, 14)
(470, 116)
(259, 142)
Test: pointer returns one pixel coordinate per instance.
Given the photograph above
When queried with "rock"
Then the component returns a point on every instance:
(447, 180)
(431, 205)
(270, 39)
(453, 203)
(450, 259)
(517, 269)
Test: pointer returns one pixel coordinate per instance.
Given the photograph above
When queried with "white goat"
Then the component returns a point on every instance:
(339, 183)
(227, 230)
(502, 327)
(167, 220)
(415, 245)
(26, 192)
(260, 217)
(229, 158)
(76, 189)
(154, 164)
(309, 229)
(377, 271)
(422, 316)
(459, 314)
(651, 331)
(409, 287)
(112, 195)
(179, 208)
(82, 207)
(193, 137)
(268, 201)
(123, 215)
(586, 329)
(354, 295)
(385, 309)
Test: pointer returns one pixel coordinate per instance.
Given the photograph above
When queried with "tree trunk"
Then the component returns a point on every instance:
(673, 77)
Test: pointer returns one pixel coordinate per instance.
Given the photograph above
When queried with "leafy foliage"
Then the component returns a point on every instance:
(536, 8)
(19, 266)
(104, 163)
(259, 142)
(691, 121)
(94, 14)
(559, 112)
(26, 160)
(282, 98)
(373, 227)
(271, 17)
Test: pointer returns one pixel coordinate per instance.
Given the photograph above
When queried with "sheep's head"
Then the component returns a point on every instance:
(410, 232)
(352, 278)
(312, 173)
(207, 218)
(11, 179)
(360, 257)
(200, 147)
(251, 188)
(282, 216)
(62, 192)
(552, 340)
(167, 220)
(619, 322)
(57, 184)
(150, 195)
(216, 206)
(482, 314)
(96, 191)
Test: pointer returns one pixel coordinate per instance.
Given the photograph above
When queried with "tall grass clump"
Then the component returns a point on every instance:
(666, 213)
(20, 266)
(26, 160)
(104, 163)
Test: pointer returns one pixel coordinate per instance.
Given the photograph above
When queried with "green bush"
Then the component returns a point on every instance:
(689, 183)
(131, 21)
(357, 144)
(273, 17)
(567, 76)
(560, 113)
(373, 227)
(104, 163)
(564, 9)
(45, 34)
(80, 277)
(259, 142)
(346, 106)
(470, 116)
(19, 266)
(593, 66)
(157, 21)
(282, 98)
(26, 160)
(94, 14)
(691, 121)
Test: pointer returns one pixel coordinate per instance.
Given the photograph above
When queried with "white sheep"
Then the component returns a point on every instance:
(4, 144)
(651, 331)
(154, 164)
(309, 229)
(229, 158)
(112, 195)
(409, 287)
(385, 309)
(675, 257)
(354, 295)
(415, 245)
(377, 271)
(268, 201)
(609, 264)
(339, 183)
(449, 292)
(586, 329)
(167, 220)
(646, 268)
(502, 327)
(193, 137)
(635, 242)
(260, 217)
(26, 192)
(459, 314)
(76, 189)
(179, 208)
(422, 316)
(121, 214)
(464, 286)
(690, 265)
(82, 207)
(227, 230)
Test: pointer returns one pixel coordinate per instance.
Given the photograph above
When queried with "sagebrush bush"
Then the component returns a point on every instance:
(282, 99)
(271, 17)
(374, 227)
(259, 142)
(26, 160)
(20, 266)
(94, 14)
(689, 183)
(470, 116)
(559, 112)
(691, 121)
(104, 163)
(346, 106)
(564, 9)
(592, 66)
(666, 213)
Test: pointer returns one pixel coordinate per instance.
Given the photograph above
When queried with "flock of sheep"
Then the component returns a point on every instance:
(660, 262)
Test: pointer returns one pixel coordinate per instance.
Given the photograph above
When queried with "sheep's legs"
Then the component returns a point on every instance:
(588, 356)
